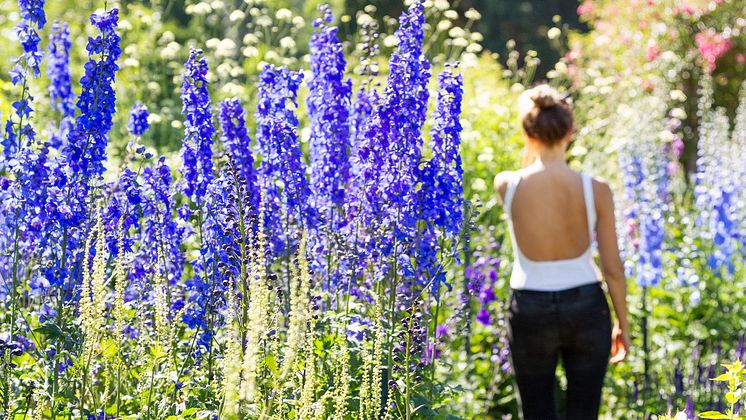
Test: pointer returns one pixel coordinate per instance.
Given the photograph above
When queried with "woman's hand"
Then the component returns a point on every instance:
(620, 343)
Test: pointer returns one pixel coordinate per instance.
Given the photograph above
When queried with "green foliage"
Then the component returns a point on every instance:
(492, 137)
(735, 378)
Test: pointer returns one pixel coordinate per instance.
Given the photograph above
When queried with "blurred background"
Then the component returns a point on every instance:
(633, 69)
(595, 47)
(240, 36)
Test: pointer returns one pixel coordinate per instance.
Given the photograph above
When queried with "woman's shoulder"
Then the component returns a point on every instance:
(501, 182)
(602, 193)
(600, 185)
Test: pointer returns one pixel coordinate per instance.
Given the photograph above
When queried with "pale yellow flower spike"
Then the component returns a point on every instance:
(376, 378)
(98, 282)
(41, 404)
(342, 385)
(370, 384)
(162, 325)
(93, 293)
(120, 279)
(93, 299)
(232, 359)
(85, 290)
(258, 314)
(364, 394)
(305, 403)
(300, 314)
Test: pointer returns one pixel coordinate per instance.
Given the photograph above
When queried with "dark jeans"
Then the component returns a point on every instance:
(574, 324)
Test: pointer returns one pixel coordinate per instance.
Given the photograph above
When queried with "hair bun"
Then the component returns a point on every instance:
(544, 96)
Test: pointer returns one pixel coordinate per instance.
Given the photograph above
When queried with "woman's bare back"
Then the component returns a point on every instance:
(549, 213)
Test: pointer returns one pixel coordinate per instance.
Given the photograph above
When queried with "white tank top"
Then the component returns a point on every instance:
(553, 275)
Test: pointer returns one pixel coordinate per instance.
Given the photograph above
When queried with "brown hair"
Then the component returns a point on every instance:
(545, 115)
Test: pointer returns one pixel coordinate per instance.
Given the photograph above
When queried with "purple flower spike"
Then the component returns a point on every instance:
(237, 142)
(328, 107)
(58, 70)
(278, 145)
(198, 129)
(138, 122)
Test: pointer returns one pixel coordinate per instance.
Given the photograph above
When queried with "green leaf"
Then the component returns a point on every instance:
(190, 411)
(422, 406)
(731, 397)
(713, 415)
(725, 377)
(109, 348)
(271, 362)
(157, 352)
(50, 330)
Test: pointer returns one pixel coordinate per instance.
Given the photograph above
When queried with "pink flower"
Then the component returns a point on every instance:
(712, 46)
(740, 58)
(677, 146)
(652, 52)
(684, 10)
(586, 8)
(574, 72)
(631, 229)
(672, 168)
(573, 55)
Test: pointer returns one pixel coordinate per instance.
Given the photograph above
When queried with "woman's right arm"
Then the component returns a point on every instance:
(501, 184)
(611, 263)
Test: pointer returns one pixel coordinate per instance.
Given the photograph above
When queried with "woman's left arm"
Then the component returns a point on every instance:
(611, 264)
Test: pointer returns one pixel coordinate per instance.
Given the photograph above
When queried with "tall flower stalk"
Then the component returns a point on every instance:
(58, 70)
(197, 186)
(21, 192)
(196, 150)
(237, 142)
(61, 94)
(21, 133)
(282, 173)
(86, 151)
(716, 181)
(645, 176)
(329, 109)
(404, 110)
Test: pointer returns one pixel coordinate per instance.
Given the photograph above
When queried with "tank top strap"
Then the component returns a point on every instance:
(510, 192)
(590, 206)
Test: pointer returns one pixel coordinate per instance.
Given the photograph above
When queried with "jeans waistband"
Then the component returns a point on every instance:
(560, 295)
